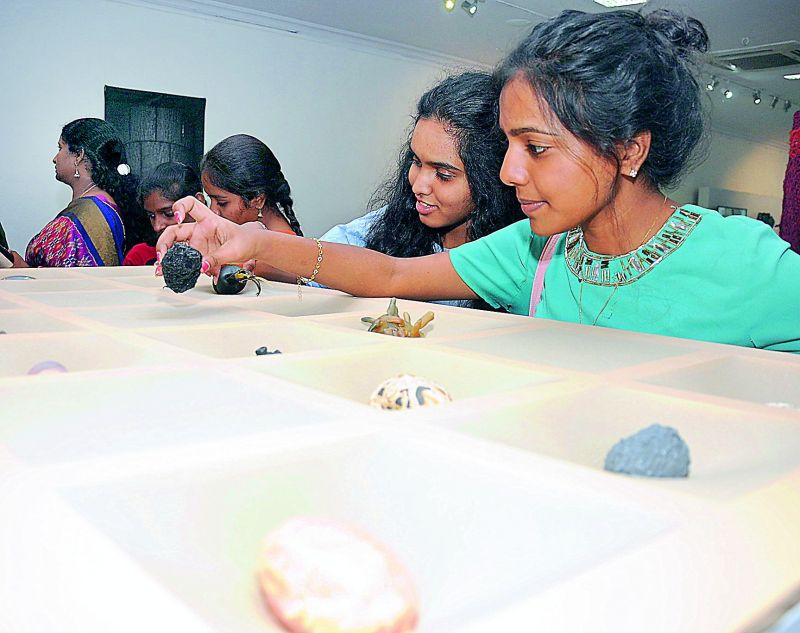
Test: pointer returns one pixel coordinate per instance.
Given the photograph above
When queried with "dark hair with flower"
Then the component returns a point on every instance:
(104, 151)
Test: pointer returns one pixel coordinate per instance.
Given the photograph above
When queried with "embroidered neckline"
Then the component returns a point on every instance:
(619, 270)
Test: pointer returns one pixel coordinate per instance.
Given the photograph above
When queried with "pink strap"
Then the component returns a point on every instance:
(541, 269)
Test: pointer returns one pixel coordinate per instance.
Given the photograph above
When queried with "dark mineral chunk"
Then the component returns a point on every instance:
(181, 267)
(657, 451)
(264, 351)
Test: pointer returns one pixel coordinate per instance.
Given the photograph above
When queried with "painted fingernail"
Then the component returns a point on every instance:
(204, 267)
(158, 257)
(159, 272)
(178, 217)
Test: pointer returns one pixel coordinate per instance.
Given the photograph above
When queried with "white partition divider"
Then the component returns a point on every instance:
(137, 485)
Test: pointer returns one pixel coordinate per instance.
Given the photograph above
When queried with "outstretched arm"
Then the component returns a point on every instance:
(354, 270)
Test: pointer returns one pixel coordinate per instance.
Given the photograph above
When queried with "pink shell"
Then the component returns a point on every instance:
(317, 574)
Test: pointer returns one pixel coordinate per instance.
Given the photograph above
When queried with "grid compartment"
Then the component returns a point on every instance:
(755, 380)
(588, 348)
(77, 351)
(315, 304)
(241, 340)
(448, 321)
(357, 374)
(27, 321)
(72, 299)
(68, 417)
(199, 532)
(183, 314)
(51, 284)
(732, 452)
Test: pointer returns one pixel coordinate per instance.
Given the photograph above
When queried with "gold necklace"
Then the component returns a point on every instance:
(87, 190)
(616, 285)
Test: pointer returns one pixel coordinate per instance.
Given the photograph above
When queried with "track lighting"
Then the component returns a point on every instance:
(730, 86)
(470, 6)
(449, 5)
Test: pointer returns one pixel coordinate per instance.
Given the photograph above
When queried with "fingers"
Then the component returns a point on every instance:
(191, 206)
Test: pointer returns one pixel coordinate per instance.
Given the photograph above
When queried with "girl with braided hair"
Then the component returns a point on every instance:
(92, 229)
(244, 180)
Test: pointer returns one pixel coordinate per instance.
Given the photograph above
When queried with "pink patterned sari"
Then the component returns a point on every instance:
(89, 232)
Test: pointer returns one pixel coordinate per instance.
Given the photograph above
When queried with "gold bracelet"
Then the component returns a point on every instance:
(304, 281)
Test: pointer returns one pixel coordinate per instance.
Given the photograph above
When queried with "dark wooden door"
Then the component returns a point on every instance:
(157, 127)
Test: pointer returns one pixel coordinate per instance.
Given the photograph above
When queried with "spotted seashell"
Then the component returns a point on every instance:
(408, 392)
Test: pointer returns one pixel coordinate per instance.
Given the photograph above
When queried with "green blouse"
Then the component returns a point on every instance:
(702, 276)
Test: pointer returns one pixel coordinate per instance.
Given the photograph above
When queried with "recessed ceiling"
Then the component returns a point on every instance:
(499, 25)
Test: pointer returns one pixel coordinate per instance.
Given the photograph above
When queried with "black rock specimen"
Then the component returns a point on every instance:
(181, 267)
(263, 351)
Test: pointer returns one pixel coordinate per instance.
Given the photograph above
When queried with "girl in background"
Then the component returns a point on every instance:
(446, 190)
(167, 183)
(244, 181)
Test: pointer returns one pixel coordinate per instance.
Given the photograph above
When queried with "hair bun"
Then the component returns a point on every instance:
(686, 34)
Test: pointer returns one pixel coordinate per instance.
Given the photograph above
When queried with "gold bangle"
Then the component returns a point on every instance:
(304, 281)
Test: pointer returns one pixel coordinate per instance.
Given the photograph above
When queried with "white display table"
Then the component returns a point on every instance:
(135, 489)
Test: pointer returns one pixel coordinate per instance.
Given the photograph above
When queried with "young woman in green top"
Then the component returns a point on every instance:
(601, 112)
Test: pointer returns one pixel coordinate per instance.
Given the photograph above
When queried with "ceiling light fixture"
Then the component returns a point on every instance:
(449, 5)
(757, 97)
(619, 3)
(728, 93)
(712, 84)
(773, 103)
(470, 6)
(792, 76)
(786, 105)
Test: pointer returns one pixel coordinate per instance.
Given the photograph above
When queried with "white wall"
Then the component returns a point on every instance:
(740, 165)
(335, 116)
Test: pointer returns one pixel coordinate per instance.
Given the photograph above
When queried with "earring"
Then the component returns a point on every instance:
(260, 214)
(77, 173)
(633, 173)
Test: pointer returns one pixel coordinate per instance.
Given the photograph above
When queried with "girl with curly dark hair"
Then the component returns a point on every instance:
(446, 190)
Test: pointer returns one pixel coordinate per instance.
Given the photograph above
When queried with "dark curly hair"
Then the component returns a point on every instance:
(105, 151)
(609, 76)
(466, 105)
(246, 167)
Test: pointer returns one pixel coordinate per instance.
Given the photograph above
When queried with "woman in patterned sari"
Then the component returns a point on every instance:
(91, 230)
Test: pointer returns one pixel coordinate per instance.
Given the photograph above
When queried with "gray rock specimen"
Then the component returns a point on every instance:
(656, 451)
